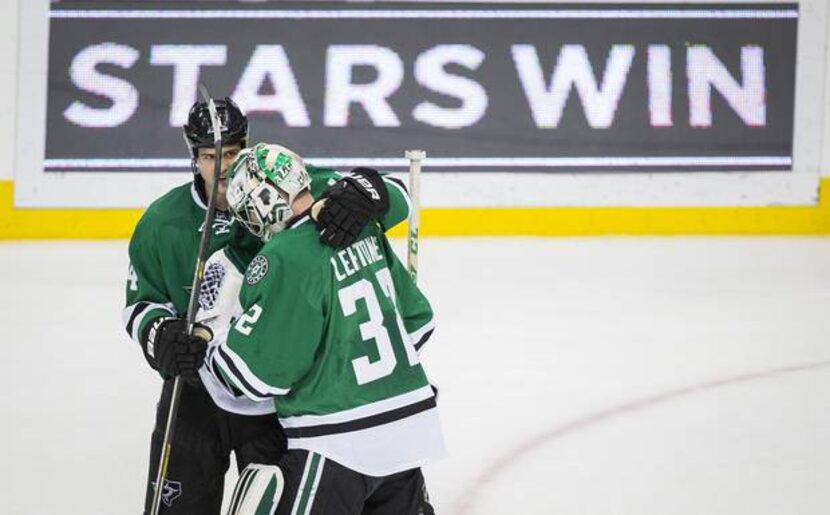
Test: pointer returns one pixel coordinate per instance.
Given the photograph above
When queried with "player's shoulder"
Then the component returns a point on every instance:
(171, 204)
(320, 173)
(292, 256)
(297, 245)
(168, 209)
(321, 178)
(275, 262)
(172, 201)
(299, 232)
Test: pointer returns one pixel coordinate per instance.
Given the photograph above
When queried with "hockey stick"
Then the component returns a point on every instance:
(415, 157)
(193, 304)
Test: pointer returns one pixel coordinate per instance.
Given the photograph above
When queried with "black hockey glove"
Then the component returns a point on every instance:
(171, 351)
(349, 205)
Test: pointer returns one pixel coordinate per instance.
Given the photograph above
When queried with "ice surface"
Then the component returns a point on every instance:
(683, 376)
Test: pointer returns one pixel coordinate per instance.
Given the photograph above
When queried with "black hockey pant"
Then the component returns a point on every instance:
(315, 485)
(200, 456)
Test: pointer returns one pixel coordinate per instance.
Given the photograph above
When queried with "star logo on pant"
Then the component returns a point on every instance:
(172, 491)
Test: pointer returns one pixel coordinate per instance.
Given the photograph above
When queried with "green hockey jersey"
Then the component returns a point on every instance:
(165, 242)
(333, 335)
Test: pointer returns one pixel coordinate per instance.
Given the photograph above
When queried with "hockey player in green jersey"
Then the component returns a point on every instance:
(163, 252)
(333, 336)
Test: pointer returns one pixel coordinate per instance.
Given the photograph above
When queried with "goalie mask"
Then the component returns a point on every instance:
(263, 182)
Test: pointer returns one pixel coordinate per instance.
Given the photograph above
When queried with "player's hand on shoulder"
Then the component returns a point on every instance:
(172, 351)
(349, 205)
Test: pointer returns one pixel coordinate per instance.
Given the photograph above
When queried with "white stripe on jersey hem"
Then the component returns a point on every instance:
(403, 192)
(382, 450)
(196, 198)
(127, 313)
(250, 377)
(416, 336)
(392, 403)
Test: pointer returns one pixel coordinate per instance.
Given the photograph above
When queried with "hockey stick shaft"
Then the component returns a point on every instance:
(193, 304)
(415, 157)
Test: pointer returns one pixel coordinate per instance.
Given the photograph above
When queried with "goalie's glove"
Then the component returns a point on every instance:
(349, 205)
(172, 351)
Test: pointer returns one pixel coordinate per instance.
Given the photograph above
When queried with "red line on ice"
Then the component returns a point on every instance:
(468, 498)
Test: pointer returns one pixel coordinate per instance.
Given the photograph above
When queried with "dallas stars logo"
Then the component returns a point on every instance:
(256, 270)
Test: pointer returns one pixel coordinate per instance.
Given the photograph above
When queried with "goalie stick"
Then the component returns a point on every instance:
(193, 304)
(415, 157)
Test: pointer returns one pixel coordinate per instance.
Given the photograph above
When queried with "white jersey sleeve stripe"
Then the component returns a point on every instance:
(226, 373)
(418, 335)
(398, 184)
(133, 316)
(231, 362)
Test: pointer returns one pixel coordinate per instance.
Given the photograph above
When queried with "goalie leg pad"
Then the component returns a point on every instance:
(258, 490)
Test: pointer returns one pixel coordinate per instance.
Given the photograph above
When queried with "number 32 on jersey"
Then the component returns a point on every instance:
(371, 331)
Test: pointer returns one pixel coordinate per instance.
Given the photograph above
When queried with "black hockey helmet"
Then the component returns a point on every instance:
(198, 131)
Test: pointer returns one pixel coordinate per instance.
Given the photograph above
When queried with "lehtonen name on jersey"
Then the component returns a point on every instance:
(355, 257)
